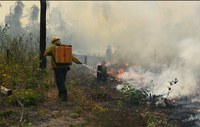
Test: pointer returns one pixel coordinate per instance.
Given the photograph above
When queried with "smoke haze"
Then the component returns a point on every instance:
(140, 32)
(137, 30)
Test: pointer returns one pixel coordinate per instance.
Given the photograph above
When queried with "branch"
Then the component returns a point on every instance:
(22, 114)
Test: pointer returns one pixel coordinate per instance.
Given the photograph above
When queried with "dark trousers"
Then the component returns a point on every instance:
(60, 78)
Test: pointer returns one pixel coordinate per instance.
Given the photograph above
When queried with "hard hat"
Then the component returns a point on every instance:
(54, 39)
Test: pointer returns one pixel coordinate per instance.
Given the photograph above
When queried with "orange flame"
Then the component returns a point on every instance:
(119, 74)
(111, 72)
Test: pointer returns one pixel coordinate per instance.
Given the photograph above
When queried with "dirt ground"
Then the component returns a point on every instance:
(91, 104)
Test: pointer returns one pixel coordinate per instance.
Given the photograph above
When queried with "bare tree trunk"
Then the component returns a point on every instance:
(42, 33)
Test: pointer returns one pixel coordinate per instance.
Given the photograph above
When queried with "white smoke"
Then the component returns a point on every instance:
(135, 29)
(34, 13)
(14, 19)
(184, 68)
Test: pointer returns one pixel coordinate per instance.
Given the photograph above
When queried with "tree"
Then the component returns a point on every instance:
(42, 33)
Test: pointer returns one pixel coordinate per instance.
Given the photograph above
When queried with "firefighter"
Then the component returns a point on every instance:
(102, 72)
(59, 71)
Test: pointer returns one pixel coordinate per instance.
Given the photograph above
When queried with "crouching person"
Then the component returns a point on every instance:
(61, 61)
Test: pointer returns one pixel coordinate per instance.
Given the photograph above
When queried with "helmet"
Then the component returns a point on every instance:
(54, 39)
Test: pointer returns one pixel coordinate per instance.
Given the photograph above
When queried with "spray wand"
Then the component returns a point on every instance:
(91, 68)
(82, 64)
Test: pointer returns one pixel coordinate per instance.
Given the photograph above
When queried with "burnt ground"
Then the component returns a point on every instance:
(186, 112)
(91, 104)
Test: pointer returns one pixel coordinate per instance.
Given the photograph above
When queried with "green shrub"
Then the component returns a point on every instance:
(74, 115)
(133, 95)
(153, 120)
(18, 75)
(41, 112)
(101, 115)
(78, 110)
(119, 104)
(23, 124)
(6, 114)
(25, 96)
(99, 109)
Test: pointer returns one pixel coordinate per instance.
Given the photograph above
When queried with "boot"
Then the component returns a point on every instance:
(64, 96)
